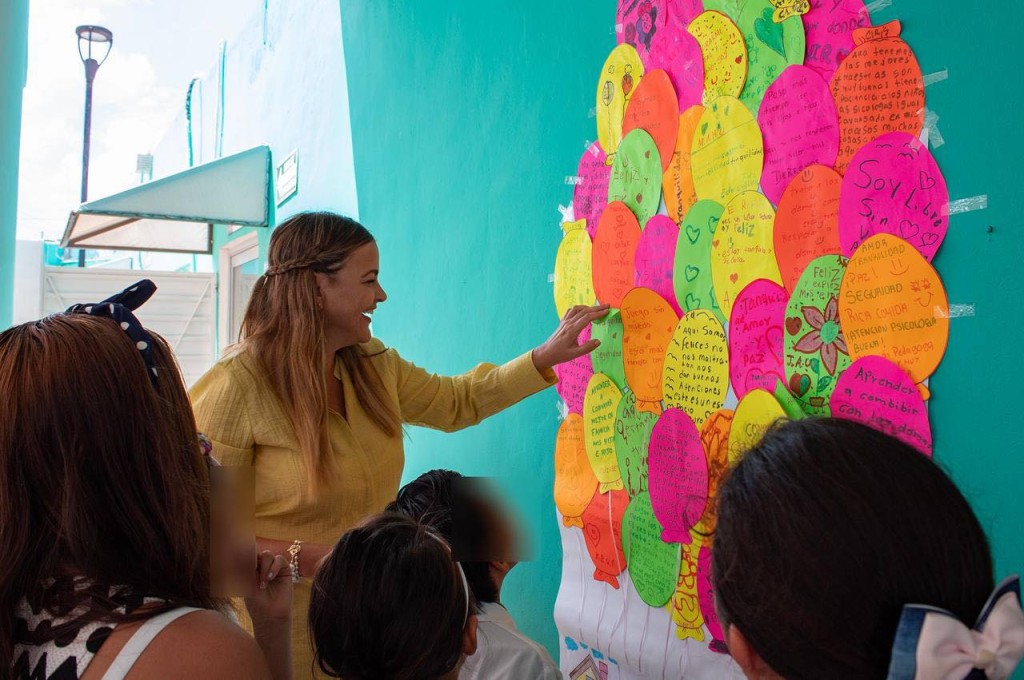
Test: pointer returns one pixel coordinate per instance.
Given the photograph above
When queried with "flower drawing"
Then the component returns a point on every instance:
(825, 336)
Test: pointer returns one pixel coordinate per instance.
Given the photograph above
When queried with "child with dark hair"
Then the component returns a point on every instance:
(483, 540)
(390, 603)
(843, 553)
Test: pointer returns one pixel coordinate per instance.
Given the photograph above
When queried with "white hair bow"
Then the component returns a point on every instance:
(932, 644)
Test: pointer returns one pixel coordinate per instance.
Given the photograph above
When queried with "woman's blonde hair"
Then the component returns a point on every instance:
(283, 330)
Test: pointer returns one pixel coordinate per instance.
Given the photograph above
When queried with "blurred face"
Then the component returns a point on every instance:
(232, 536)
(350, 294)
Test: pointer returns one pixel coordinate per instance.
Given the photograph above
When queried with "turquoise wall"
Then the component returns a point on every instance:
(14, 61)
(466, 120)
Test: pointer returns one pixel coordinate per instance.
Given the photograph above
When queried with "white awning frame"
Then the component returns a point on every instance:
(176, 214)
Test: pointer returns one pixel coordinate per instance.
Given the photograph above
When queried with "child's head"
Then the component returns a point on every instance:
(389, 603)
(826, 529)
(468, 516)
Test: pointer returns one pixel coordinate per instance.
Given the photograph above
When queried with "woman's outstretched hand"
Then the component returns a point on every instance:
(562, 346)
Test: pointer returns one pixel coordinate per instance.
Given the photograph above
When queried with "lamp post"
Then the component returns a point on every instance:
(90, 37)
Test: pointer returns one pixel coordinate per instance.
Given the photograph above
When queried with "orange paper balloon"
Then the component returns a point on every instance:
(575, 482)
(654, 108)
(648, 322)
(614, 253)
(807, 222)
(714, 435)
(877, 89)
(892, 304)
(677, 182)
(602, 532)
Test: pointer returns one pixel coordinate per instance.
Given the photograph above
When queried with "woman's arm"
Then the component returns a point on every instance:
(452, 403)
(270, 610)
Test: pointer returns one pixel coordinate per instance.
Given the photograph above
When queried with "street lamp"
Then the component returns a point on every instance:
(102, 40)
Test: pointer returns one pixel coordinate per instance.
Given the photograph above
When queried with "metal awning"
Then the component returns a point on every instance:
(177, 213)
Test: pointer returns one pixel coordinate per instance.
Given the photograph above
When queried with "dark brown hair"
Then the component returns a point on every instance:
(102, 480)
(826, 528)
(283, 329)
(388, 604)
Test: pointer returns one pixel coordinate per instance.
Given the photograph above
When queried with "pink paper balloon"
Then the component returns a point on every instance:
(876, 392)
(678, 53)
(800, 127)
(574, 376)
(677, 470)
(757, 338)
(655, 258)
(894, 185)
(829, 28)
(591, 193)
(706, 601)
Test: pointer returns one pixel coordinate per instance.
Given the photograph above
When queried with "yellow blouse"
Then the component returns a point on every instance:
(236, 408)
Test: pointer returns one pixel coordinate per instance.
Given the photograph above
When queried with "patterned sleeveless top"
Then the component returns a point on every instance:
(38, 655)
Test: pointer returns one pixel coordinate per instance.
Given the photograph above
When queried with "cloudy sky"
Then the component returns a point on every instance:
(158, 46)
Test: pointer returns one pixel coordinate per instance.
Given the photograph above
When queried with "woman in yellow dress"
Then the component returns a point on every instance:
(316, 405)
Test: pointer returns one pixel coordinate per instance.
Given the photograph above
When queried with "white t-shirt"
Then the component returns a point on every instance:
(503, 653)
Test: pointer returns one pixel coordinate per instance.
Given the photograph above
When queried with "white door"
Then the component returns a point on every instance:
(240, 267)
(181, 310)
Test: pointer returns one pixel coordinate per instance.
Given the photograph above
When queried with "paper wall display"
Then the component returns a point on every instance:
(590, 195)
(677, 182)
(893, 305)
(653, 564)
(648, 322)
(574, 376)
(614, 253)
(676, 51)
(636, 175)
(877, 89)
(755, 413)
(829, 28)
(655, 259)
(816, 348)
(637, 22)
(632, 435)
(728, 152)
(706, 598)
(724, 55)
(599, 408)
(807, 221)
(743, 249)
(696, 372)
(575, 482)
(799, 126)
(574, 283)
(756, 337)
(894, 185)
(620, 75)
(607, 358)
(602, 531)
(677, 475)
(714, 436)
(875, 392)
(694, 286)
(686, 612)
(654, 109)
(771, 47)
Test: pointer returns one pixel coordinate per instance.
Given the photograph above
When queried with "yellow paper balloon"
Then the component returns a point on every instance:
(574, 478)
(743, 249)
(574, 281)
(619, 77)
(696, 372)
(684, 606)
(725, 54)
(755, 413)
(648, 322)
(728, 151)
(599, 408)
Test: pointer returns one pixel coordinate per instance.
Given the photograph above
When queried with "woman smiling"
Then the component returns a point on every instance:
(316, 404)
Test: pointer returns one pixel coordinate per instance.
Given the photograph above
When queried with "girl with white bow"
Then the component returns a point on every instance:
(843, 553)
